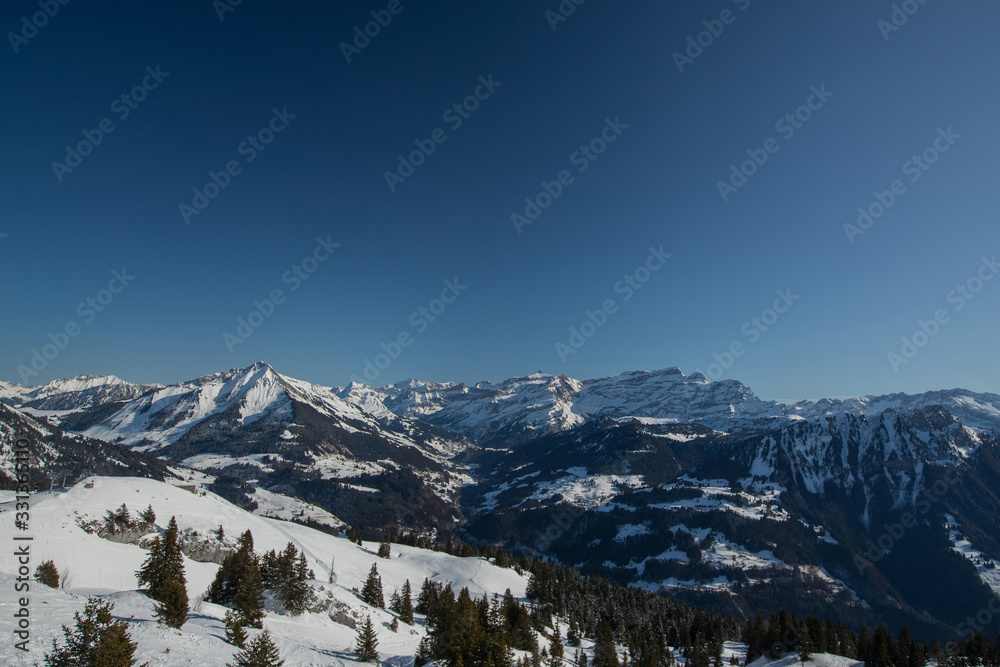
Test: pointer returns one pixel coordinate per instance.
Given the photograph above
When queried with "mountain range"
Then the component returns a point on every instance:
(866, 509)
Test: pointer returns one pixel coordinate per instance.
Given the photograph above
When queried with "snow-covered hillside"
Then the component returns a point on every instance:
(93, 565)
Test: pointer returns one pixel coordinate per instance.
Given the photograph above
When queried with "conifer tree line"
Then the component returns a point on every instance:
(244, 577)
(646, 623)
(467, 631)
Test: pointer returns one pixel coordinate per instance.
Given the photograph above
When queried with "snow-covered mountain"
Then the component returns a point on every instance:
(278, 432)
(622, 476)
(78, 393)
(524, 407)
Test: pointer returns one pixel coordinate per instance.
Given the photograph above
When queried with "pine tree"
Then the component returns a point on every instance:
(239, 585)
(605, 654)
(122, 517)
(151, 572)
(260, 653)
(98, 639)
(573, 635)
(248, 598)
(384, 550)
(163, 574)
(406, 604)
(372, 590)
(367, 642)
(148, 515)
(426, 597)
(556, 649)
(221, 534)
(424, 653)
(47, 574)
(394, 626)
(296, 591)
(805, 646)
(235, 634)
(172, 608)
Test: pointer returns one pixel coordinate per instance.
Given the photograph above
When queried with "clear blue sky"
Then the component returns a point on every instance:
(656, 184)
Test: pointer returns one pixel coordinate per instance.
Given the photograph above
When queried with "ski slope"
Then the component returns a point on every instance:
(93, 565)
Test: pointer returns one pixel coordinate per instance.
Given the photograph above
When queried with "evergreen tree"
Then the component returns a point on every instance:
(235, 634)
(372, 590)
(605, 654)
(98, 640)
(299, 591)
(394, 626)
(248, 597)
(424, 654)
(148, 515)
(163, 574)
(805, 646)
(406, 604)
(151, 572)
(172, 608)
(383, 550)
(573, 635)
(367, 642)
(238, 584)
(556, 649)
(121, 516)
(47, 574)
(260, 653)
(427, 596)
(221, 534)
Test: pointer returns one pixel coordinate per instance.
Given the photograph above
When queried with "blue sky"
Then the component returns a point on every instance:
(888, 95)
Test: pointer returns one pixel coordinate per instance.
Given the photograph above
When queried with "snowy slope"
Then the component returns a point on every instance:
(98, 566)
